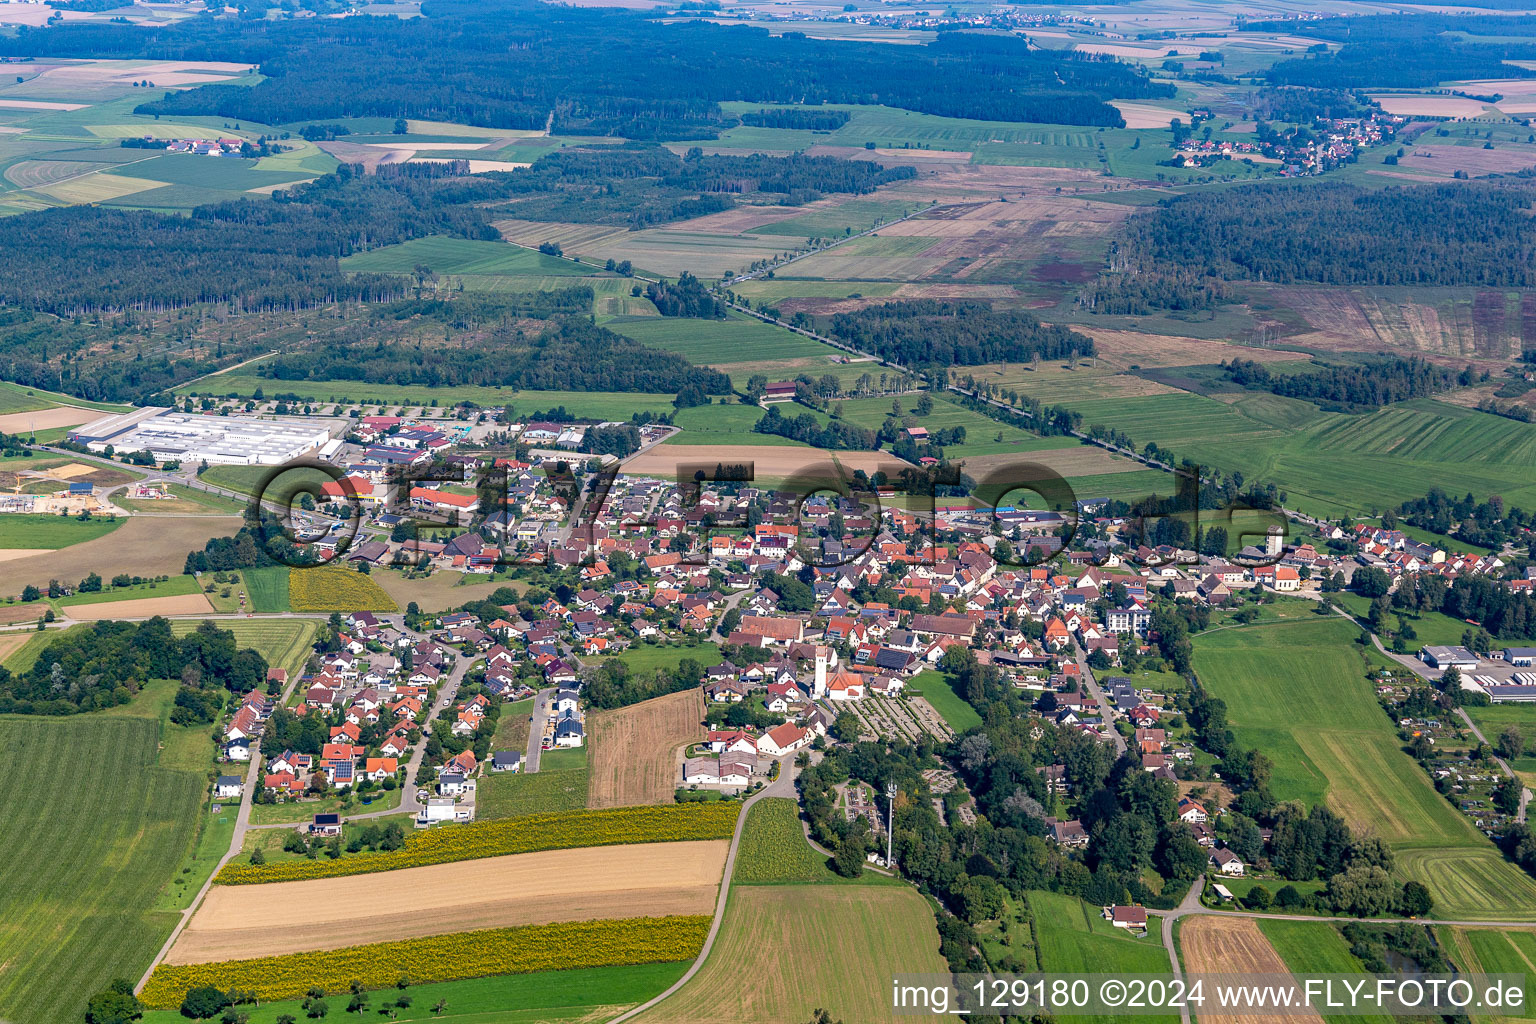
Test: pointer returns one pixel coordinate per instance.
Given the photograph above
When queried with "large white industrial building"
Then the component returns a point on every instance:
(217, 440)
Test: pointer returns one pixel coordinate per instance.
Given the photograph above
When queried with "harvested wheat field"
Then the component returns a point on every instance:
(1079, 460)
(10, 643)
(12, 554)
(1429, 106)
(179, 604)
(1143, 115)
(1233, 945)
(600, 882)
(142, 546)
(45, 419)
(634, 749)
(769, 461)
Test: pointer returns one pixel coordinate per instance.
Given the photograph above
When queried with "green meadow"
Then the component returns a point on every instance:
(445, 255)
(1297, 691)
(89, 849)
(1331, 463)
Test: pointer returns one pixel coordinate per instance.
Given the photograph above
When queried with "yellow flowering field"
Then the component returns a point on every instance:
(543, 947)
(555, 830)
(333, 588)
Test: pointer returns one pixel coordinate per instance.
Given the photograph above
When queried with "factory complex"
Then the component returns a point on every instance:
(217, 440)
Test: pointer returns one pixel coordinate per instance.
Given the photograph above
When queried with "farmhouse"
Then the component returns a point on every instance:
(1132, 918)
(1227, 862)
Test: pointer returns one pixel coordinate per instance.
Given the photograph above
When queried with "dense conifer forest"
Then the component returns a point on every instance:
(522, 64)
(570, 355)
(1368, 385)
(1405, 51)
(1179, 256)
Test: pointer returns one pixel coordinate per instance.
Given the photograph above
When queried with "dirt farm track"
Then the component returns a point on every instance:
(651, 879)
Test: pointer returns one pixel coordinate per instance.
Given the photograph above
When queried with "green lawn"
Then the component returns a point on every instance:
(167, 588)
(510, 794)
(277, 486)
(564, 759)
(89, 849)
(267, 588)
(546, 997)
(723, 342)
(1431, 627)
(1073, 937)
(40, 531)
(446, 255)
(936, 690)
(232, 174)
(718, 424)
(1296, 690)
(184, 501)
(646, 658)
(20, 398)
(1489, 951)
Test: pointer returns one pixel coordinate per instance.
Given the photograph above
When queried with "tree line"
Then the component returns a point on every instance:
(687, 297)
(835, 435)
(936, 332)
(1369, 384)
(1404, 50)
(103, 665)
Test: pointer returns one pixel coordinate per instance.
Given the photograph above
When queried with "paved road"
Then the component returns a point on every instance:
(1190, 903)
(1097, 693)
(536, 729)
(409, 803)
(784, 785)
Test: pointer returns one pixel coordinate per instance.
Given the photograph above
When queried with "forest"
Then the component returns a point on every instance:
(571, 354)
(1478, 234)
(642, 185)
(797, 118)
(1404, 51)
(1301, 105)
(1366, 385)
(104, 664)
(508, 64)
(255, 254)
(935, 332)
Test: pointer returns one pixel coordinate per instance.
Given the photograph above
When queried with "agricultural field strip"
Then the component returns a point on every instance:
(651, 880)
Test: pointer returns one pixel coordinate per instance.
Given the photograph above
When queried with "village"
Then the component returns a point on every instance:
(833, 625)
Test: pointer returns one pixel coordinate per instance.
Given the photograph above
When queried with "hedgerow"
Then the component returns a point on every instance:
(545, 947)
(557, 830)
